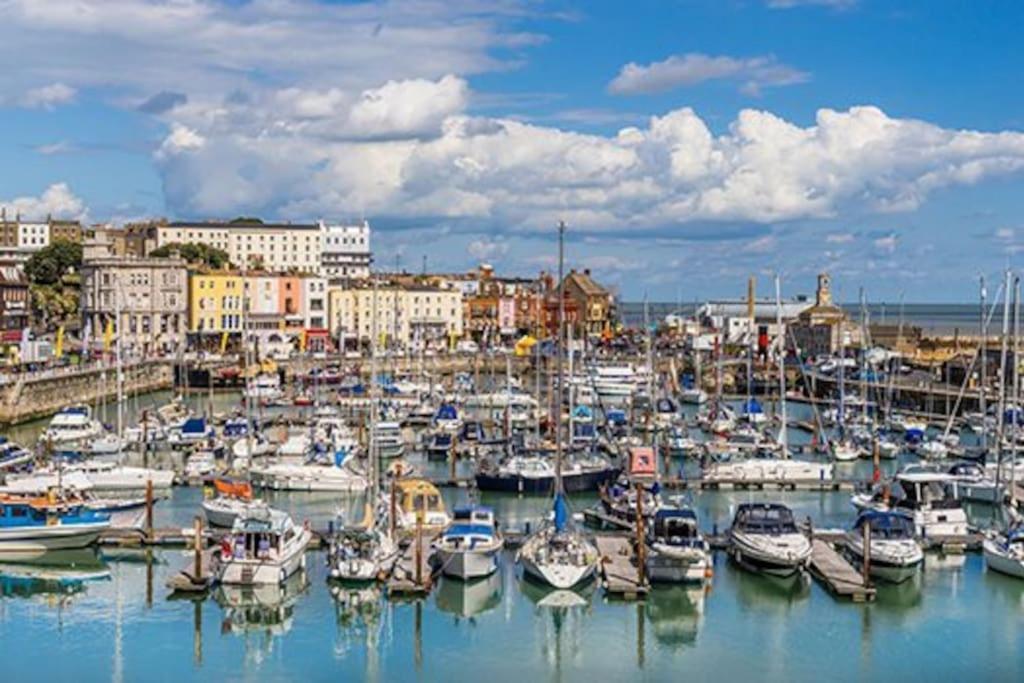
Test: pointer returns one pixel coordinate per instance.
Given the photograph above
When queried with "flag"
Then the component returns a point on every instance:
(302, 340)
(58, 348)
(108, 335)
(223, 342)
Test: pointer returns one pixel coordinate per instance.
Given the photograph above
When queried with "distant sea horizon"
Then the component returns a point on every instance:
(935, 319)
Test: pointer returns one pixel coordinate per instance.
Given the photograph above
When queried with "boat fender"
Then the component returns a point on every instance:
(281, 575)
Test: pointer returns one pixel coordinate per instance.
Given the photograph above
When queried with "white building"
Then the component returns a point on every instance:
(408, 317)
(346, 250)
(330, 250)
(33, 236)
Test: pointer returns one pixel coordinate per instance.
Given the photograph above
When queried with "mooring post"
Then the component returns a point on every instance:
(149, 510)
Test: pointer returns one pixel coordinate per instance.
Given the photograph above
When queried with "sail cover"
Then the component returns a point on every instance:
(561, 512)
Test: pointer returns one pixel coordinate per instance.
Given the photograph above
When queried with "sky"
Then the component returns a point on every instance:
(687, 144)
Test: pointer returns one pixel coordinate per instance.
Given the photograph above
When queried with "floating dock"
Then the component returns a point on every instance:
(403, 579)
(619, 572)
(837, 575)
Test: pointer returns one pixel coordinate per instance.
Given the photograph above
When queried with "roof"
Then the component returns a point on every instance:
(585, 283)
(238, 224)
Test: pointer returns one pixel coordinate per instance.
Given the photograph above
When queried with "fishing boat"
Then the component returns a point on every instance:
(390, 442)
(1004, 553)
(264, 547)
(894, 553)
(51, 522)
(764, 538)
(72, 424)
(676, 550)
(470, 547)
(419, 502)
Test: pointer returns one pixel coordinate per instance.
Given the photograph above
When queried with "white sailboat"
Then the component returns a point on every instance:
(558, 554)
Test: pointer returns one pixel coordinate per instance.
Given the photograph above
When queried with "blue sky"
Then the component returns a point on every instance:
(688, 144)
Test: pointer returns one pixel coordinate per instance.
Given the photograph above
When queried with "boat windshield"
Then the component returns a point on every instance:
(766, 520)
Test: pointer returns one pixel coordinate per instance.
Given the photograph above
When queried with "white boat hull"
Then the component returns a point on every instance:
(557, 574)
(57, 537)
(248, 572)
(466, 564)
(998, 561)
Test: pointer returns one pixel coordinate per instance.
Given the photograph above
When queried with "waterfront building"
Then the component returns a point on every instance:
(19, 239)
(151, 295)
(330, 250)
(14, 299)
(816, 331)
(345, 252)
(594, 305)
(409, 316)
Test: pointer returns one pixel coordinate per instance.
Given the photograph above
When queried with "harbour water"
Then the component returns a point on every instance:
(107, 613)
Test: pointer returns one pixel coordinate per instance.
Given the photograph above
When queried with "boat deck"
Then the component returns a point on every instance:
(838, 575)
(619, 572)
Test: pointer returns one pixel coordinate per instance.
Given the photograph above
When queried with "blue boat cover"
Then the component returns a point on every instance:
(468, 529)
(752, 407)
(446, 412)
(582, 412)
(561, 512)
(194, 425)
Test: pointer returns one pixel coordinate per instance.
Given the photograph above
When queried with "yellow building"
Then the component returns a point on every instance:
(215, 302)
(409, 316)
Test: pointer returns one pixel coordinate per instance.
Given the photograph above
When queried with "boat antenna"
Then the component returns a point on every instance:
(558, 358)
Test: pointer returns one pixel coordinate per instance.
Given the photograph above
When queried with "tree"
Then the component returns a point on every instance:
(194, 252)
(48, 265)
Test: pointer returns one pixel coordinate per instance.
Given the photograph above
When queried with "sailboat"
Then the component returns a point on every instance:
(558, 554)
(368, 552)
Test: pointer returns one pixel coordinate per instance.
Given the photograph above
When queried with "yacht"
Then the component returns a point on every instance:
(313, 475)
(930, 498)
(534, 472)
(895, 554)
(764, 538)
(72, 424)
(676, 550)
(1004, 553)
(389, 440)
(52, 522)
(96, 476)
(766, 466)
(557, 554)
(264, 547)
(470, 547)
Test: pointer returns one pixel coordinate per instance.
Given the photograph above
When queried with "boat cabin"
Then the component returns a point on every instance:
(260, 533)
(927, 489)
(418, 499)
(886, 526)
(676, 526)
(764, 518)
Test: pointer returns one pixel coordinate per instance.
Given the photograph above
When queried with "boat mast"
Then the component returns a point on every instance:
(249, 427)
(558, 357)
(372, 445)
(783, 437)
(982, 353)
(1016, 392)
(117, 358)
(1001, 420)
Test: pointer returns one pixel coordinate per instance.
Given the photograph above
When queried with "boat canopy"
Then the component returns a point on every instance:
(582, 413)
(772, 518)
(666, 405)
(675, 522)
(886, 524)
(752, 407)
(261, 520)
(616, 417)
(447, 411)
(233, 489)
(194, 425)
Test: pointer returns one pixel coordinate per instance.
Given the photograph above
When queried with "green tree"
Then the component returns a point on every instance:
(49, 264)
(194, 253)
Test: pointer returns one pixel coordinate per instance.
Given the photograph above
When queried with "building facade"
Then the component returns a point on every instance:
(346, 251)
(150, 294)
(14, 299)
(407, 316)
(822, 329)
(594, 305)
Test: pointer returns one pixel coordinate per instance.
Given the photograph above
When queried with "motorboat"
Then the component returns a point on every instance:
(199, 465)
(470, 546)
(764, 538)
(389, 440)
(933, 450)
(192, 431)
(975, 484)
(99, 477)
(314, 475)
(844, 450)
(1004, 553)
(447, 418)
(930, 498)
(265, 388)
(767, 466)
(534, 472)
(72, 424)
(12, 455)
(894, 553)
(232, 499)
(51, 522)
(264, 547)
(419, 504)
(557, 554)
(676, 550)
(693, 396)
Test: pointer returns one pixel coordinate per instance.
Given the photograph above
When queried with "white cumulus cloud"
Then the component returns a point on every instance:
(47, 96)
(57, 200)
